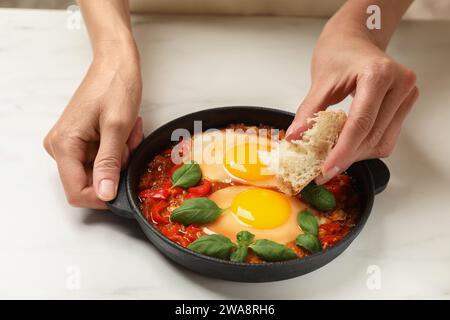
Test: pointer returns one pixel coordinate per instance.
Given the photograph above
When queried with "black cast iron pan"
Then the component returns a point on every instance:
(371, 177)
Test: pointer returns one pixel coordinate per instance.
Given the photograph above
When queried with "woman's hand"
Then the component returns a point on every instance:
(99, 128)
(384, 92)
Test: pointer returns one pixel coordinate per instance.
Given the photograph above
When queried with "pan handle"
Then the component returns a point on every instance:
(380, 174)
(120, 205)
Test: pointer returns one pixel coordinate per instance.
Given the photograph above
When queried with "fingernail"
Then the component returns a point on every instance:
(292, 129)
(328, 175)
(107, 190)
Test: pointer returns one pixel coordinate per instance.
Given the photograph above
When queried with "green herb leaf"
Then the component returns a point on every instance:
(319, 197)
(240, 254)
(245, 238)
(188, 175)
(272, 251)
(309, 242)
(196, 210)
(214, 245)
(308, 222)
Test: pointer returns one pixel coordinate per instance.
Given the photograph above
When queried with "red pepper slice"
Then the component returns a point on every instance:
(190, 196)
(155, 194)
(200, 190)
(156, 210)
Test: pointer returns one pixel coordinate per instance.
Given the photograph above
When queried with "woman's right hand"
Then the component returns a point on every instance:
(100, 127)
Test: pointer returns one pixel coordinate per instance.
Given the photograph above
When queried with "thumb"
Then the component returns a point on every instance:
(314, 102)
(108, 161)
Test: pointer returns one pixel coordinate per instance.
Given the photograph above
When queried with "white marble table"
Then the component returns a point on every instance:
(50, 250)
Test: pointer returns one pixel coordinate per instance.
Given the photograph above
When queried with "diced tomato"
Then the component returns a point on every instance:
(179, 239)
(181, 234)
(192, 228)
(170, 229)
(336, 184)
(192, 232)
(155, 194)
(345, 179)
(159, 159)
(191, 236)
(331, 227)
(156, 212)
(184, 242)
(176, 191)
(167, 184)
(333, 188)
(329, 240)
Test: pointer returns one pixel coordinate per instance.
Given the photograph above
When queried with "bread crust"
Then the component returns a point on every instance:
(301, 161)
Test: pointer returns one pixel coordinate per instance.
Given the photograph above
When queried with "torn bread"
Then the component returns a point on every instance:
(301, 161)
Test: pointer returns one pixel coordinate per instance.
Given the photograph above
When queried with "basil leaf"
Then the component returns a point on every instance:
(196, 210)
(240, 254)
(309, 242)
(213, 245)
(319, 197)
(272, 251)
(188, 175)
(308, 222)
(245, 238)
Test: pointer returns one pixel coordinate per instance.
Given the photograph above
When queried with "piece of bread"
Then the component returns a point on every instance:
(301, 161)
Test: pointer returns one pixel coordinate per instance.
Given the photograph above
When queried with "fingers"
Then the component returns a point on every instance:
(47, 145)
(125, 157)
(314, 102)
(107, 164)
(386, 144)
(370, 91)
(75, 181)
(82, 186)
(136, 135)
(394, 98)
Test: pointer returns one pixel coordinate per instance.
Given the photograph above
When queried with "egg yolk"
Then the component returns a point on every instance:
(243, 161)
(261, 208)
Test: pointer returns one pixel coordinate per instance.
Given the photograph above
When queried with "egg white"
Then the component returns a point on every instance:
(209, 149)
(229, 225)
